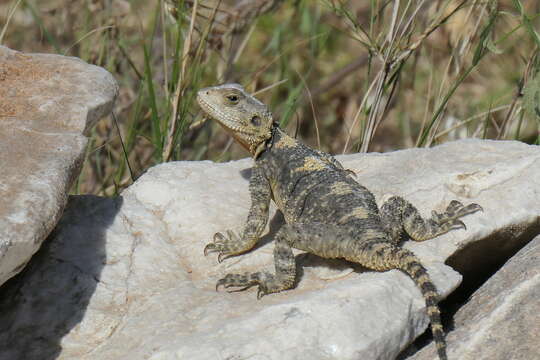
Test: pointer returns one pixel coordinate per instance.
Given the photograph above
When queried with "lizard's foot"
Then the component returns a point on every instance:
(268, 283)
(450, 218)
(226, 246)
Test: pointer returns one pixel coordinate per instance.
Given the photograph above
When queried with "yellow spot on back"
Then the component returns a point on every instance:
(360, 213)
(311, 164)
(285, 142)
(372, 233)
(341, 188)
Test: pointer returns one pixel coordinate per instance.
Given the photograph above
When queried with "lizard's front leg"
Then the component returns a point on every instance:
(232, 244)
(328, 241)
(268, 282)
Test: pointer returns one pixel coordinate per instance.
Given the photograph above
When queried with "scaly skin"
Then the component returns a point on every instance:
(327, 212)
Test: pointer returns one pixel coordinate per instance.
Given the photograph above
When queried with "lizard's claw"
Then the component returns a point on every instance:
(263, 290)
(222, 244)
(458, 224)
(221, 256)
(209, 248)
(221, 282)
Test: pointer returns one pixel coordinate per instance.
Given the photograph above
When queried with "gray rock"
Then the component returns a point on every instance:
(126, 278)
(501, 321)
(48, 103)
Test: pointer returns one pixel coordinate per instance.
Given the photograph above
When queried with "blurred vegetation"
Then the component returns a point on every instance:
(344, 76)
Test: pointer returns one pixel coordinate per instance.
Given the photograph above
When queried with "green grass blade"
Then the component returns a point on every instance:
(157, 138)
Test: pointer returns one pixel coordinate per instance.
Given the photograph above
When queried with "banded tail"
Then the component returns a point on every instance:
(382, 256)
(418, 273)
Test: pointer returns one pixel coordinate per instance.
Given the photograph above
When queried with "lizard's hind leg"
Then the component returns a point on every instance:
(398, 215)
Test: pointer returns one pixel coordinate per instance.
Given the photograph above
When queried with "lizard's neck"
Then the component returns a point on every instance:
(278, 142)
(275, 135)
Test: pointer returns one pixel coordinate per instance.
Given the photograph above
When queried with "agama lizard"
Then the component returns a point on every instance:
(327, 212)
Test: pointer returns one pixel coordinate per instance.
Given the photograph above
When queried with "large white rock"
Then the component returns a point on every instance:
(126, 278)
(48, 103)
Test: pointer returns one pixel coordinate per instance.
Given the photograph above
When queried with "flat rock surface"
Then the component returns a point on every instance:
(126, 278)
(48, 103)
(501, 321)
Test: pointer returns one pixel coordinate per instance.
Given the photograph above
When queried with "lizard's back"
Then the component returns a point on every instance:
(308, 188)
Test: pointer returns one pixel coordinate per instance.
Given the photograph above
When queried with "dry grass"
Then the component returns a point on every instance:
(344, 75)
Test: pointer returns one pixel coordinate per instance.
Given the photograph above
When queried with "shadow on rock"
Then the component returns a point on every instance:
(49, 298)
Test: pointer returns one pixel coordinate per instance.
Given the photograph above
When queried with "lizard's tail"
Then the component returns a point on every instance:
(390, 257)
(411, 265)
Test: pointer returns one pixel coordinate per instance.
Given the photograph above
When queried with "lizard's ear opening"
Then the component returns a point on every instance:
(255, 120)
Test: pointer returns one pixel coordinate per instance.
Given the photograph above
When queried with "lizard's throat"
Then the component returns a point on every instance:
(255, 144)
(267, 142)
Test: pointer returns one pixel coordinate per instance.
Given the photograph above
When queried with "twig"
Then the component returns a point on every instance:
(164, 49)
(466, 121)
(84, 37)
(123, 146)
(357, 115)
(10, 15)
(167, 151)
(312, 109)
(270, 87)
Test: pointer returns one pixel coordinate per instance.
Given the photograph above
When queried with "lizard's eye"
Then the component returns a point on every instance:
(232, 98)
(255, 120)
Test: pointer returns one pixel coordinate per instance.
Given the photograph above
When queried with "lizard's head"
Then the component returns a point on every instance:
(247, 119)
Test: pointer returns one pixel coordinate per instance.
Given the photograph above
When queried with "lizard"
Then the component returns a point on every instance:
(327, 213)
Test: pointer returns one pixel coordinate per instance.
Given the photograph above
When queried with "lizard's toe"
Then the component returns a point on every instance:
(436, 217)
(209, 248)
(243, 281)
(222, 244)
(261, 291)
(471, 208)
(219, 238)
(454, 206)
(222, 256)
(458, 224)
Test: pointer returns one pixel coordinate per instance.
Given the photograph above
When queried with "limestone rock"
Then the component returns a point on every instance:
(48, 103)
(126, 278)
(502, 319)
